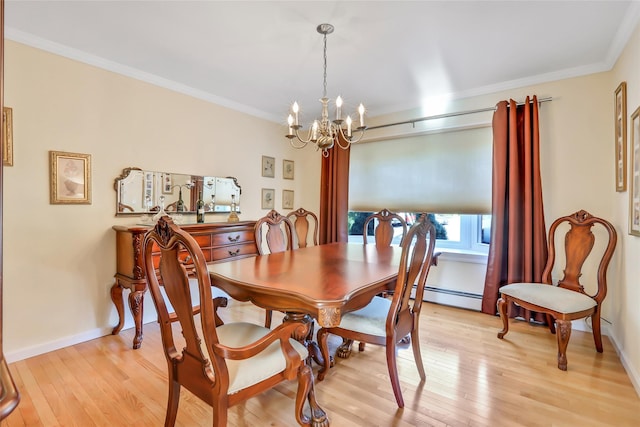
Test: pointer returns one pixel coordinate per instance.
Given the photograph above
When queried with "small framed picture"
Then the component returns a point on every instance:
(634, 179)
(268, 198)
(167, 183)
(287, 199)
(70, 178)
(621, 136)
(287, 169)
(7, 130)
(268, 166)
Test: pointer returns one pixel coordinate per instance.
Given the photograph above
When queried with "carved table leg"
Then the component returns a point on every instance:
(318, 415)
(344, 350)
(136, 305)
(116, 297)
(306, 337)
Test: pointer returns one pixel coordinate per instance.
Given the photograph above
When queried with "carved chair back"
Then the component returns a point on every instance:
(304, 221)
(384, 230)
(277, 231)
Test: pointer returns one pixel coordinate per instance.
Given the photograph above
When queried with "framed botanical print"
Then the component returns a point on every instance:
(287, 169)
(287, 199)
(621, 136)
(70, 179)
(634, 179)
(268, 198)
(268, 166)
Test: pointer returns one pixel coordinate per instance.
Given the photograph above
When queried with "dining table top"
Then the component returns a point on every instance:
(323, 281)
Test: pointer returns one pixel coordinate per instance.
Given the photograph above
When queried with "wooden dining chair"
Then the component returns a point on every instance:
(222, 365)
(384, 227)
(274, 231)
(305, 224)
(567, 300)
(386, 321)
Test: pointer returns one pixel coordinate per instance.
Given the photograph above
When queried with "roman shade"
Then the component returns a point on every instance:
(444, 172)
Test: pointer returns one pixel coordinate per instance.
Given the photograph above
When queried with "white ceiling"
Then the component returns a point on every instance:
(260, 56)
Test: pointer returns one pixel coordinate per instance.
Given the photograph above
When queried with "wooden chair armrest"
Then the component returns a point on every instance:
(282, 333)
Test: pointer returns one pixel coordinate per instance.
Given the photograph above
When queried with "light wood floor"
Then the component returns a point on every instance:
(473, 379)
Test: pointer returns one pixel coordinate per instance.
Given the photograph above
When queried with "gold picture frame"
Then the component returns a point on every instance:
(634, 180)
(7, 136)
(621, 136)
(70, 178)
(287, 169)
(268, 198)
(268, 166)
(287, 199)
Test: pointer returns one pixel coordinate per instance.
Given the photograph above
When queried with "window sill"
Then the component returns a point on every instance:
(458, 255)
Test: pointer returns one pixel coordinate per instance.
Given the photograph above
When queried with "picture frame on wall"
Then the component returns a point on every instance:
(268, 166)
(70, 178)
(7, 130)
(634, 180)
(268, 198)
(287, 169)
(621, 136)
(167, 183)
(287, 199)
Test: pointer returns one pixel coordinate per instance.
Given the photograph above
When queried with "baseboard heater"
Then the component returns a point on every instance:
(453, 297)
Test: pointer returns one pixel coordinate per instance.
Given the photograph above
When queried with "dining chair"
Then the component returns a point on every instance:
(386, 321)
(222, 365)
(304, 221)
(274, 231)
(567, 299)
(384, 227)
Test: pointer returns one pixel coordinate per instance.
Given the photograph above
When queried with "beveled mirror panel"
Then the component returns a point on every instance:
(139, 191)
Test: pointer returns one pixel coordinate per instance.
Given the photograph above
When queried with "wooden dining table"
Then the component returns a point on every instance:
(318, 282)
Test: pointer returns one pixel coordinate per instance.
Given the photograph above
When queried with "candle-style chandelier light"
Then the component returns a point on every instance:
(325, 133)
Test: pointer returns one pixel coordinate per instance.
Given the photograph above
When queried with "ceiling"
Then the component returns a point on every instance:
(260, 56)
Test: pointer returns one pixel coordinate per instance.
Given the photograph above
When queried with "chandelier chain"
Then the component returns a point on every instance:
(324, 92)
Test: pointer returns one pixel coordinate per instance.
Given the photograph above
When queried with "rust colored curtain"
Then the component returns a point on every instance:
(518, 250)
(334, 196)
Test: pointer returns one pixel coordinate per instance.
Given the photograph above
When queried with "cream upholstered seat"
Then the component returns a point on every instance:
(567, 300)
(386, 321)
(221, 365)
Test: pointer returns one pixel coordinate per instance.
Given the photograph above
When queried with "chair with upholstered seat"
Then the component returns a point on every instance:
(276, 232)
(384, 230)
(567, 300)
(304, 222)
(386, 321)
(222, 365)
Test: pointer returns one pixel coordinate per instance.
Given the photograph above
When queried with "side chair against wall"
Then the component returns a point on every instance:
(304, 221)
(386, 321)
(222, 365)
(277, 232)
(567, 300)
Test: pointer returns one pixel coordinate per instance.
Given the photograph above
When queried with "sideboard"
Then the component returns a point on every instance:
(219, 241)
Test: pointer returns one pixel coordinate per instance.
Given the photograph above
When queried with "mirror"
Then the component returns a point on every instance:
(139, 191)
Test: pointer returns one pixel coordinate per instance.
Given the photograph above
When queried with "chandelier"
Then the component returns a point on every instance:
(324, 133)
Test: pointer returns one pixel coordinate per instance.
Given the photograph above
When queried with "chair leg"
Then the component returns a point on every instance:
(220, 406)
(415, 343)
(393, 373)
(502, 310)
(595, 326)
(563, 334)
(268, 316)
(322, 336)
(552, 323)
(361, 346)
(172, 402)
(306, 392)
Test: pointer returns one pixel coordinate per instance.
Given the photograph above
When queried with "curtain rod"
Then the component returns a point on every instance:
(453, 114)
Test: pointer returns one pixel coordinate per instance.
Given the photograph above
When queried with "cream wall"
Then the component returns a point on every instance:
(59, 260)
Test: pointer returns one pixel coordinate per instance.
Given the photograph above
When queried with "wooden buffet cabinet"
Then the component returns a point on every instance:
(219, 241)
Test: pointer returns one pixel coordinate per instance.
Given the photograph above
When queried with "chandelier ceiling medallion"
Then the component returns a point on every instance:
(325, 133)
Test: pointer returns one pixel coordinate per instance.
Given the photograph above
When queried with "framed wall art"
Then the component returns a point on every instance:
(287, 199)
(621, 136)
(634, 179)
(287, 169)
(268, 166)
(268, 198)
(70, 179)
(7, 131)
(167, 183)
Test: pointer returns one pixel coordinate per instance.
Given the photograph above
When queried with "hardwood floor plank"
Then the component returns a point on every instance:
(473, 379)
